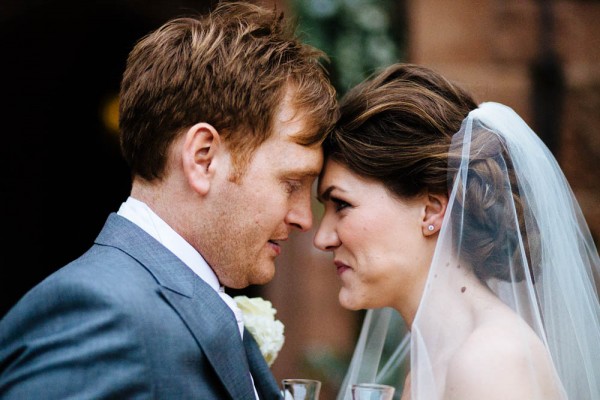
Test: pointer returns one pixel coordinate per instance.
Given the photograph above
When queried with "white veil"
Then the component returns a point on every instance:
(535, 253)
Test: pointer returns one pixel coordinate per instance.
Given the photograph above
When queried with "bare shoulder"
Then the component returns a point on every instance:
(504, 360)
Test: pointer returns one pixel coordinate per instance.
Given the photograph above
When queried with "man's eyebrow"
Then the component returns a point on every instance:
(305, 173)
(313, 173)
(323, 197)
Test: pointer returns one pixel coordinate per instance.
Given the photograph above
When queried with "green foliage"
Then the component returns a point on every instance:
(360, 36)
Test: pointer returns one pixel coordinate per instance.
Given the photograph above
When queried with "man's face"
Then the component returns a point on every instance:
(254, 215)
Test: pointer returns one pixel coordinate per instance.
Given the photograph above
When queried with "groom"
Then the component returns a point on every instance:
(222, 117)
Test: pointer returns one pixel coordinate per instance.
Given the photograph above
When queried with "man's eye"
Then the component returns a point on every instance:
(292, 186)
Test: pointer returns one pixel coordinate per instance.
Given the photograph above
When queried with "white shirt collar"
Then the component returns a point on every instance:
(140, 214)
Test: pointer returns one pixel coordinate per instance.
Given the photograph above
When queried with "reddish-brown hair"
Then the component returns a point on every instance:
(229, 68)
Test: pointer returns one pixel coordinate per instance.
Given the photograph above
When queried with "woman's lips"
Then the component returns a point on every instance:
(341, 267)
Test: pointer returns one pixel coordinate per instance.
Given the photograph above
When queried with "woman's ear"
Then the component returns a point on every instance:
(435, 209)
(202, 143)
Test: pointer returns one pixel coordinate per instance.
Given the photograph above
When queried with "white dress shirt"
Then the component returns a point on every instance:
(140, 214)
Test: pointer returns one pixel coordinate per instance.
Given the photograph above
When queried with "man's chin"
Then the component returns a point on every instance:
(263, 276)
(257, 277)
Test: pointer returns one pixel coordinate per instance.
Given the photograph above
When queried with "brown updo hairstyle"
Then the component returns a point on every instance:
(487, 208)
(397, 127)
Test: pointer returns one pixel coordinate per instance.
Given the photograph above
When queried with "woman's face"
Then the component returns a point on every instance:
(380, 251)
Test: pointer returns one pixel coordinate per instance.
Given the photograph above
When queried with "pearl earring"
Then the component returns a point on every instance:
(431, 228)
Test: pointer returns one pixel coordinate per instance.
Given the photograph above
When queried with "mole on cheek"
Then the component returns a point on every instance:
(462, 289)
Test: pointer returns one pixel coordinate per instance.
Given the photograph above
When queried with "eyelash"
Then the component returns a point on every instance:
(291, 186)
(339, 204)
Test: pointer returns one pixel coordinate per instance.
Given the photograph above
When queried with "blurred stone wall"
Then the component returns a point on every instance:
(490, 47)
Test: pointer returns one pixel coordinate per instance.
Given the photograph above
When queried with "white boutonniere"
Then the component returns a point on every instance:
(259, 319)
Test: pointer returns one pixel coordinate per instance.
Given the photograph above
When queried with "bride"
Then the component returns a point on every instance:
(458, 219)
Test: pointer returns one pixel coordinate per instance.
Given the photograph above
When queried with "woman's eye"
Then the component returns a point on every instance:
(339, 204)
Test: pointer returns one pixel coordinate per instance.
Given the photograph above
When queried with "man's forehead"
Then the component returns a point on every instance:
(303, 160)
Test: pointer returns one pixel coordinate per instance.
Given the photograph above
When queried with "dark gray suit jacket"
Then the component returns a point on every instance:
(127, 320)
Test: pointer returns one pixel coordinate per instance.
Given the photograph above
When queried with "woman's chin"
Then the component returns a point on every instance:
(349, 302)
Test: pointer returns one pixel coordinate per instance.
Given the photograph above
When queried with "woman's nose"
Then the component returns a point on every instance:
(326, 238)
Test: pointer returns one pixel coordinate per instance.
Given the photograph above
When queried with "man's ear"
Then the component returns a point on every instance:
(435, 209)
(202, 143)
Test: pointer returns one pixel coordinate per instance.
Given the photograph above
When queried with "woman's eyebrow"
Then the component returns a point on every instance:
(326, 194)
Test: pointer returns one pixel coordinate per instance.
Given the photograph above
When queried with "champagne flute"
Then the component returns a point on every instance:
(301, 389)
(372, 391)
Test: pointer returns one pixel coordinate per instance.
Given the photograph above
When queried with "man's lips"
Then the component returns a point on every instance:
(275, 246)
(341, 267)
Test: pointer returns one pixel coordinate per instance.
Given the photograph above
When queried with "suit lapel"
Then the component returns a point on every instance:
(265, 383)
(215, 331)
(217, 334)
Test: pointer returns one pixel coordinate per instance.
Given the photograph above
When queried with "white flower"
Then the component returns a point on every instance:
(259, 319)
